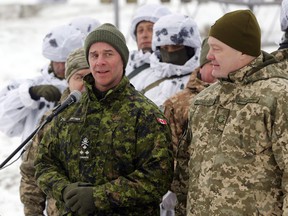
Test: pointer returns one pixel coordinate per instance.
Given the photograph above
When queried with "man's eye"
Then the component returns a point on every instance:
(78, 78)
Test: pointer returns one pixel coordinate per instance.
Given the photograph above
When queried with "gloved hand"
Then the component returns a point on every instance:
(79, 198)
(49, 92)
(67, 189)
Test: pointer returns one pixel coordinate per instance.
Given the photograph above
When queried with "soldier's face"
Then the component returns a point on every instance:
(144, 33)
(59, 69)
(106, 66)
(224, 58)
(76, 80)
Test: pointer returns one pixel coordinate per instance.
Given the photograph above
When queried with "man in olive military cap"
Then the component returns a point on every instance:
(111, 153)
(238, 153)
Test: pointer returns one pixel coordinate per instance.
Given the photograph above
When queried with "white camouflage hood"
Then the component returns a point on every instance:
(148, 12)
(61, 41)
(175, 29)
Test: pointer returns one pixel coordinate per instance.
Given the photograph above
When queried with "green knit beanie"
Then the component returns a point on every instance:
(204, 51)
(240, 30)
(76, 61)
(108, 33)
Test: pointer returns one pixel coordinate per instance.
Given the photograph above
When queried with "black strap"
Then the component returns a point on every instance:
(157, 82)
(138, 70)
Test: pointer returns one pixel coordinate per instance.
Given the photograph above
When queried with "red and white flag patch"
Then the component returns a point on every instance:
(162, 121)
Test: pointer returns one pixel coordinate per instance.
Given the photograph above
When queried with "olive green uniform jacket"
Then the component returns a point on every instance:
(239, 149)
(120, 144)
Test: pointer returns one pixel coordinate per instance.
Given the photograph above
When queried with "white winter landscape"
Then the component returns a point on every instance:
(24, 23)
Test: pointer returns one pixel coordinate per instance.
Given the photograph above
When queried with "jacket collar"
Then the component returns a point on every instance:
(253, 71)
(113, 93)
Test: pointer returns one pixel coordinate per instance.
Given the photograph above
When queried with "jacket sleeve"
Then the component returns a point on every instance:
(280, 147)
(31, 195)
(15, 105)
(49, 175)
(170, 115)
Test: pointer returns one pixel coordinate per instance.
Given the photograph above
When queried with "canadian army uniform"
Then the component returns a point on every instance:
(121, 144)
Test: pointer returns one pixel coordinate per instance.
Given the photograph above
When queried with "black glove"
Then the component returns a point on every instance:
(78, 197)
(49, 92)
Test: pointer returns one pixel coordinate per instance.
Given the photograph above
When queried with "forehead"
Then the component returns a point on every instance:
(58, 63)
(143, 24)
(101, 47)
(213, 41)
(82, 72)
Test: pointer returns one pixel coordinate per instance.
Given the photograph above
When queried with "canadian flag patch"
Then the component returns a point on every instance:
(162, 121)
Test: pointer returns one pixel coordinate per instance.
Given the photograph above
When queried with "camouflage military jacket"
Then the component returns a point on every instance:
(281, 54)
(32, 197)
(176, 107)
(120, 144)
(239, 156)
(176, 110)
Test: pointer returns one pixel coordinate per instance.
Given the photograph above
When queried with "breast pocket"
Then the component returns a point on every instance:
(252, 122)
(203, 114)
(216, 115)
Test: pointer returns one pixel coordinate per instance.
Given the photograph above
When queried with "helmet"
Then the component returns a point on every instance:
(85, 24)
(148, 12)
(176, 29)
(60, 42)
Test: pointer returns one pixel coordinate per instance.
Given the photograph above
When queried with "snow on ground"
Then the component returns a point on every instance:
(20, 52)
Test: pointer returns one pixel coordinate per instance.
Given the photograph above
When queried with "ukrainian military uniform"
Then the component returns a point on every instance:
(238, 163)
(35, 205)
(120, 144)
(281, 54)
(176, 107)
(176, 110)
(33, 198)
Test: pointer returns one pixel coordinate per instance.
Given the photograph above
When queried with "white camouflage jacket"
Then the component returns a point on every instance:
(19, 113)
(178, 78)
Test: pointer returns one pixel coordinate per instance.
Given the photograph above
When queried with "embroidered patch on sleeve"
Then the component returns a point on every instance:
(162, 121)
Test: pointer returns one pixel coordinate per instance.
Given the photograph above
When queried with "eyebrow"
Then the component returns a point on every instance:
(105, 50)
(108, 50)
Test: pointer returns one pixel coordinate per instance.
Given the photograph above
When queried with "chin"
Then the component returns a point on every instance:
(147, 49)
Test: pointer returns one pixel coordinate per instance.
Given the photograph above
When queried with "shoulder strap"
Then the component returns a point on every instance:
(138, 70)
(157, 82)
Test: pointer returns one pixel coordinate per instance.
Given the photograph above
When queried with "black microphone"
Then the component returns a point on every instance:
(73, 97)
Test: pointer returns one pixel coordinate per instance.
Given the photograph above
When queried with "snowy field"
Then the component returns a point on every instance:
(21, 35)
